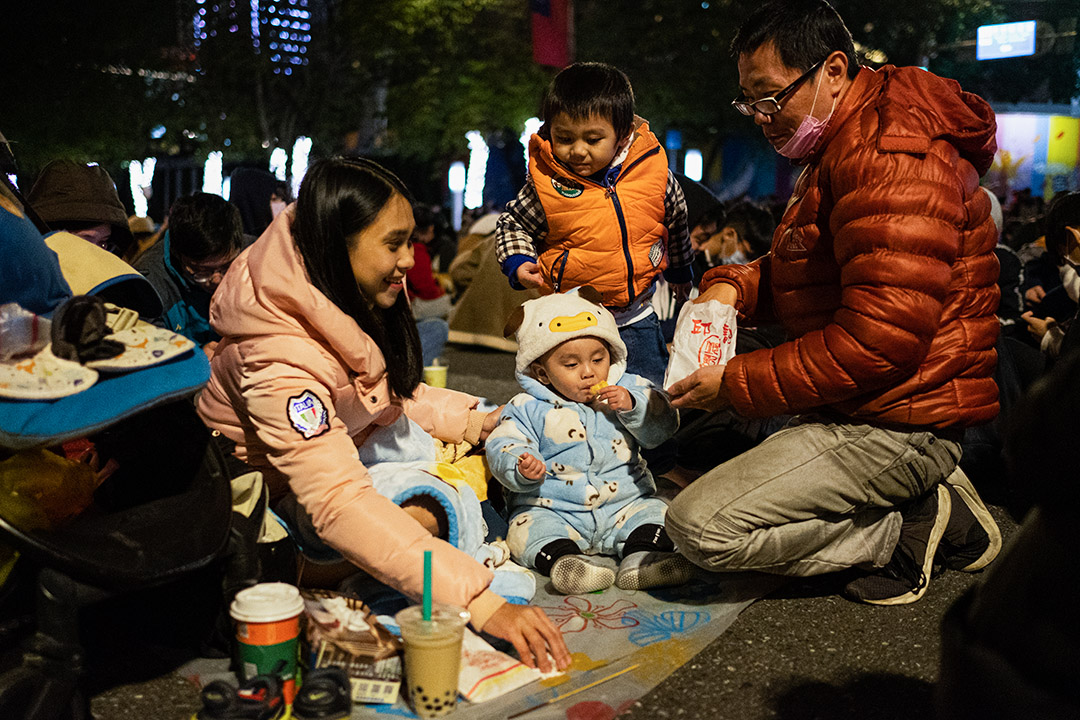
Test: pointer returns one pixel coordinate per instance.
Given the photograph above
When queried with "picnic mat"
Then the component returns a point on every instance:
(639, 637)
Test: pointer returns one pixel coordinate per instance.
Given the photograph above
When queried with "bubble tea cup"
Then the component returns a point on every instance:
(432, 656)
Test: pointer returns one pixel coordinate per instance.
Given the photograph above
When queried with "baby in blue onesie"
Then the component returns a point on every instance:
(567, 450)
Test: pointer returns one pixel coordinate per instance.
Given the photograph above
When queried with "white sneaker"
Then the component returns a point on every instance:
(576, 574)
(648, 569)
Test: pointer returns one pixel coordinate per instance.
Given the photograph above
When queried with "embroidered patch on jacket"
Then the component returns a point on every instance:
(656, 253)
(307, 414)
(566, 187)
(792, 243)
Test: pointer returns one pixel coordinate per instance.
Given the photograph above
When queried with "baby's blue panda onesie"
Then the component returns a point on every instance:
(598, 489)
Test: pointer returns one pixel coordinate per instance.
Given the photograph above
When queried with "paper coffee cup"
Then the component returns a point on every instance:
(267, 619)
(435, 375)
(432, 657)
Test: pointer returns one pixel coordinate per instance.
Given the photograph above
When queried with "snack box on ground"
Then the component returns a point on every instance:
(342, 631)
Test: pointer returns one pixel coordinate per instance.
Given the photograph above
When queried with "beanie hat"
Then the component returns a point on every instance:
(69, 191)
(551, 320)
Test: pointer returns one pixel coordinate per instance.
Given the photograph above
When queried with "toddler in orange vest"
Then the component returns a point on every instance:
(600, 208)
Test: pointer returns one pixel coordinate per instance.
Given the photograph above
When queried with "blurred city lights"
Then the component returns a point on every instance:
(279, 161)
(474, 179)
(212, 173)
(300, 151)
(455, 180)
(693, 165)
(532, 126)
(141, 176)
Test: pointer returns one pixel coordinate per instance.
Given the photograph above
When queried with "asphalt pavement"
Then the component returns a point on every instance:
(803, 652)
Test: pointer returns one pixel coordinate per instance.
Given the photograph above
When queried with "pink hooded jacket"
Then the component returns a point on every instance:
(281, 338)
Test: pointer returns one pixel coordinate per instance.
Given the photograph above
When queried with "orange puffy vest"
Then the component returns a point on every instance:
(611, 238)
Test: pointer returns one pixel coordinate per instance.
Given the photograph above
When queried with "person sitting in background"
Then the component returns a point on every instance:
(745, 234)
(144, 233)
(203, 238)
(82, 200)
(430, 302)
(1063, 248)
(483, 298)
(259, 196)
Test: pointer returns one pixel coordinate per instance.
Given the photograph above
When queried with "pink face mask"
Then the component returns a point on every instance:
(808, 133)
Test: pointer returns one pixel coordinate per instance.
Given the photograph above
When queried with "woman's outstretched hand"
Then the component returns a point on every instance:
(532, 634)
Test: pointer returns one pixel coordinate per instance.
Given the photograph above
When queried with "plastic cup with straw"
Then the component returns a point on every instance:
(432, 635)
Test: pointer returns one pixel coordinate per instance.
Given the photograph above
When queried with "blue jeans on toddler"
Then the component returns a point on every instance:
(647, 356)
(646, 351)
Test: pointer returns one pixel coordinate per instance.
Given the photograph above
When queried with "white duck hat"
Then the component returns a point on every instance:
(548, 321)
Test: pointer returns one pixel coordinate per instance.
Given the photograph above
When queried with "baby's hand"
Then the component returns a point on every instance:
(531, 468)
(528, 274)
(615, 397)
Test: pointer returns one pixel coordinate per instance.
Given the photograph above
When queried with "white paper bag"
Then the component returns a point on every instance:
(704, 335)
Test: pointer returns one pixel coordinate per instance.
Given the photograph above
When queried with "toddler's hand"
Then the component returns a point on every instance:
(528, 274)
(615, 397)
(682, 291)
(531, 468)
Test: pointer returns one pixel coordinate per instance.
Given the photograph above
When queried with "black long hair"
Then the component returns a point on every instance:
(338, 198)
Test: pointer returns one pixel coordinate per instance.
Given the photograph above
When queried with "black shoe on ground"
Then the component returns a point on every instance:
(972, 539)
(258, 699)
(906, 576)
(325, 695)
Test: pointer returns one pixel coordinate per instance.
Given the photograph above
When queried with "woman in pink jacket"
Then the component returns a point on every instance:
(317, 381)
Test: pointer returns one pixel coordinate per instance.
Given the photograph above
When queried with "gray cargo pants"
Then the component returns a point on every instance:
(815, 497)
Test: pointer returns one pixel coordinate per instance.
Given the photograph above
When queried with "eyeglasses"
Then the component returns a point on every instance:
(771, 105)
(202, 274)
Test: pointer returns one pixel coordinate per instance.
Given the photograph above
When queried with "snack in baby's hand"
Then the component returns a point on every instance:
(595, 389)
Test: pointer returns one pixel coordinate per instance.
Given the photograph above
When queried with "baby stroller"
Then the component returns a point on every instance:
(161, 515)
(128, 543)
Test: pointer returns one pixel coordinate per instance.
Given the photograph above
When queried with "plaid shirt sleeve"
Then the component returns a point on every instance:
(680, 252)
(522, 227)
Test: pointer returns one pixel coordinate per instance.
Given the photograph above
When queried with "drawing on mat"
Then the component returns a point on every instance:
(596, 710)
(654, 628)
(578, 613)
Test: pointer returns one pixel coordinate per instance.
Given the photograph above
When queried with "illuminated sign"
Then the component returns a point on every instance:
(1005, 40)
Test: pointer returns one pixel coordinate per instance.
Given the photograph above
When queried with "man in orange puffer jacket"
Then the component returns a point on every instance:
(883, 275)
